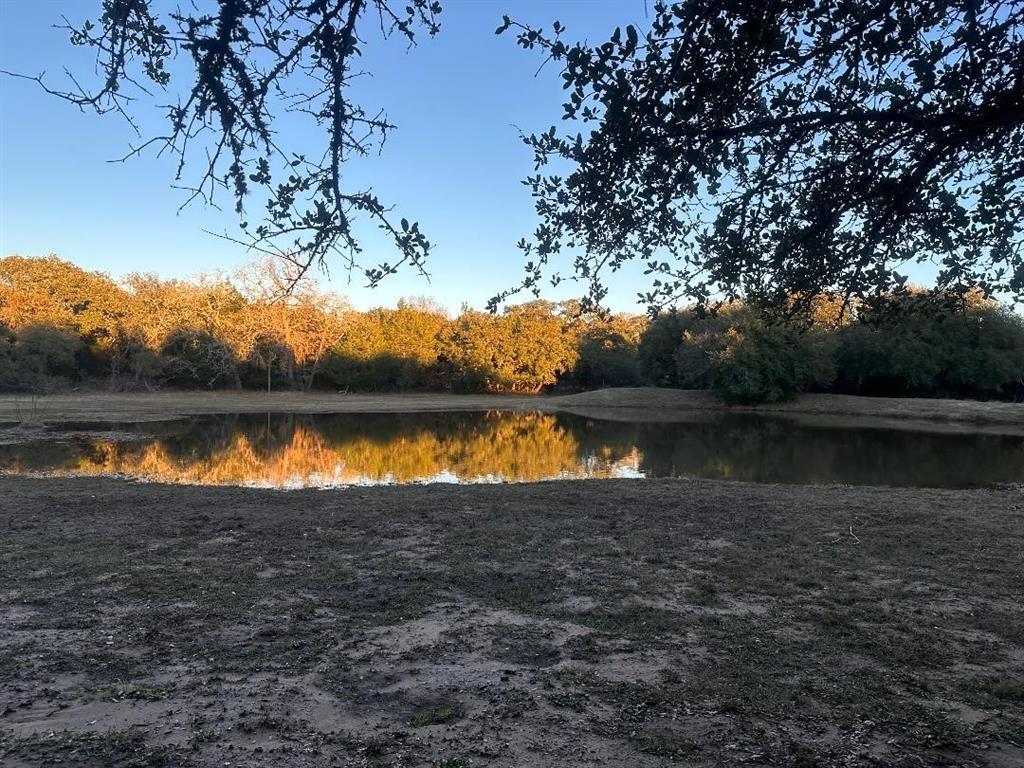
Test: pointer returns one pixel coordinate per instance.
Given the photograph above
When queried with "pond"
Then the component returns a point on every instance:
(331, 450)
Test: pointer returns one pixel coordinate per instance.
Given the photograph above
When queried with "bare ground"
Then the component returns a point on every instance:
(161, 406)
(640, 403)
(617, 623)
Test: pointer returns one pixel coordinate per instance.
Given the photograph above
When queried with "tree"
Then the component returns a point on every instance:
(469, 354)
(209, 304)
(916, 344)
(132, 363)
(198, 359)
(607, 358)
(50, 291)
(656, 363)
(44, 357)
(525, 349)
(246, 63)
(287, 308)
(538, 344)
(787, 148)
(268, 351)
(388, 348)
(745, 359)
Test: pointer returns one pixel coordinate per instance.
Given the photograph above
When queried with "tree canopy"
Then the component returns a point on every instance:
(789, 147)
(762, 150)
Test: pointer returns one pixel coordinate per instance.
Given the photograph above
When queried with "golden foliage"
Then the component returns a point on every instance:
(273, 321)
(502, 446)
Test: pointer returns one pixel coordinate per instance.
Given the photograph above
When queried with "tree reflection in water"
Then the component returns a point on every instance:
(290, 451)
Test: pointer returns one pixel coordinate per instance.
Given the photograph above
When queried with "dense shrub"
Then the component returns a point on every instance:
(747, 359)
(59, 323)
(470, 381)
(383, 372)
(42, 358)
(977, 351)
(8, 367)
(606, 359)
(656, 353)
(985, 355)
(736, 353)
(133, 365)
(198, 359)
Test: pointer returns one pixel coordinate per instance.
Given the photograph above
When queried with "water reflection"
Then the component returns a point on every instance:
(291, 451)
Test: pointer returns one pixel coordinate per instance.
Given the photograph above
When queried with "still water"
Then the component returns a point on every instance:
(296, 451)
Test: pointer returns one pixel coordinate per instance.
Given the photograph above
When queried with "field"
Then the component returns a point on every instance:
(618, 623)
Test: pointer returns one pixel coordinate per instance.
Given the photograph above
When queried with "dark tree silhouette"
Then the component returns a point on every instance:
(787, 147)
(246, 62)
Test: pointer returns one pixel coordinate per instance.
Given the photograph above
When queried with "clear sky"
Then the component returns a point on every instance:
(455, 163)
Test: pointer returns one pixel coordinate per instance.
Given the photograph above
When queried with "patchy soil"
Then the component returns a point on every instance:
(616, 623)
(637, 403)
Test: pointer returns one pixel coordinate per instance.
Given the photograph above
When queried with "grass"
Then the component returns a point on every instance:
(437, 715)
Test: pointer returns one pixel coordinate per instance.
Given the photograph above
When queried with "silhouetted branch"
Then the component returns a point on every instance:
(251, 59)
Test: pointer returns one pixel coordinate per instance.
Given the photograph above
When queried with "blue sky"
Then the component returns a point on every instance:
(455, 163)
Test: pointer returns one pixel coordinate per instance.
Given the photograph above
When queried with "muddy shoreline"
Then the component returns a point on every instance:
(641, 403)
(617, 623)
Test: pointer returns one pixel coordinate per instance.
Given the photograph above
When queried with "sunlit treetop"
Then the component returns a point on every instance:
(244, 64)
(786, 148)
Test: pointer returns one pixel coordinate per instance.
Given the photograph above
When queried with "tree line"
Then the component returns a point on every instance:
(260, 328)
(913, 343)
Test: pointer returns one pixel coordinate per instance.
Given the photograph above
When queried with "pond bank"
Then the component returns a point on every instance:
(909, 411)
(618, 623)
(633, 403)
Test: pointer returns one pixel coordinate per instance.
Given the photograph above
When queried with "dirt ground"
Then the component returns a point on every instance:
(641, 403)
(613, 623)
(161, 406)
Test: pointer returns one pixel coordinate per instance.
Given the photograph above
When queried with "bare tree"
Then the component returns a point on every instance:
(249, 62)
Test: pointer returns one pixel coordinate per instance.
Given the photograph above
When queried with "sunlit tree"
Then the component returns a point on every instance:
(50, 291)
